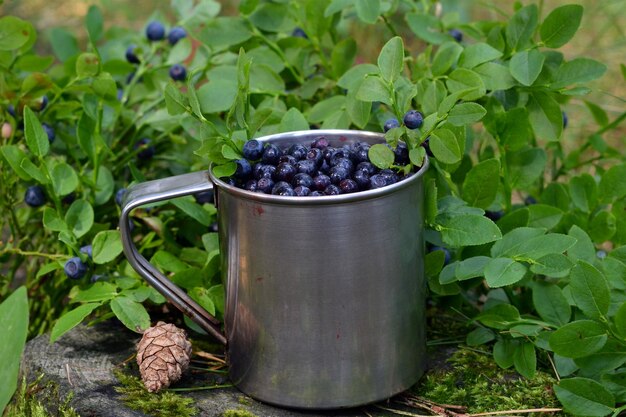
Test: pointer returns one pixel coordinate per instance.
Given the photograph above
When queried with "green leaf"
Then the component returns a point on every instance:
(175, 101)
(85, 129)
(521, 27)
(359, 111)
(223, 32)
(34, 171)
(64, 44)
(14, 325)
(504, 271)
(71, 319)
(94, 22)
(500, 316)
(131, 313)
(193, 210)
(561, 25)
(98, 291)
(391, 58)
(104, 186)
(471, 268)
(578, 339)
(603, 226)
(324, 109)
(355, 75)
(540, 246)
(342, 57)
(430, 200)
(64, 179)
(462, 79)
(479, 336)
(168, 262)
(179, 52)
(446, 56)
(525, 360)
(367, 10)
(542, 215)
(14, 156)
(201, 296)
(584, 192)
(554, 265)
(445, 147)
(381, 155)
(107, 245)
(545, 116)
(481, 183)
(466, 113)
(610, 357)
(510, 243)
(52, 221)
(87, 65)
(495, 76)
(468, 230)
(503, 352)
(374, 89)
(584, 397)
(293, 120)
(427, 27)
(584, 248)
(80, 217)
(579, 70)
(224, 170)
(550, 303)
(590, 290)
(218, 94)
(525, 167)
(598, 113)
(525, 66)
(264, 80)
(620, 320)
(14, 33)
(477, 54)
(36, 137)
(612, 185)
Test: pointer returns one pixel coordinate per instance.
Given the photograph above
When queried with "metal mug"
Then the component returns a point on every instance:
(324, 295)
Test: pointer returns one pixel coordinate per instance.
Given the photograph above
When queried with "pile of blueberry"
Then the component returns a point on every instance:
(316, 170)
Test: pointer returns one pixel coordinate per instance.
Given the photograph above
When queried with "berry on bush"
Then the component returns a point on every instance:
(155, 31)
(565, 119)
(447, 255)
(299, 33)
(146, 151)
(119, 196)
(494, 215)
(176, 33)
(43, 103)
(390, 124)
(178, 72)
(413, 119)
(204, 197)
(11, 109)
(456, 34)
(35, 196)
(87, 250)
(252, 149)
(131, 55)
(530, 200)
(75, 268)
(49, 131)
(7, 130)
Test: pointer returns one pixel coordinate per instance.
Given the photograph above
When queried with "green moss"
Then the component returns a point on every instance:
(474, 380)
(30, 400)
(243, 400)
(163, 404)
(238, 413)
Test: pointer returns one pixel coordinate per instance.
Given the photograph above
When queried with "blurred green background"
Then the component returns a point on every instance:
(602, 36)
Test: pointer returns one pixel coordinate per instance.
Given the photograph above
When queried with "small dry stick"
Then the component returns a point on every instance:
(67, 371)
(402, 413)
(207, 355)
(528, 410)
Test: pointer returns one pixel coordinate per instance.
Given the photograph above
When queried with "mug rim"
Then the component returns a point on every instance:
(327, 199)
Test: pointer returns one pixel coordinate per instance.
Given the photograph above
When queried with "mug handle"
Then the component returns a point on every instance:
(151, 192)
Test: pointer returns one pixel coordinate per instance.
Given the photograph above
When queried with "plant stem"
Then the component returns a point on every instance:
(17, 251)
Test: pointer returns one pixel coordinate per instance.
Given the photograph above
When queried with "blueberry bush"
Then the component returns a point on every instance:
(525, 234)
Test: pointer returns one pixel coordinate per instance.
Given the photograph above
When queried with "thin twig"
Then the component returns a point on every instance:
(529, 410)
(210, 356)
(67, 371)
(400, 412)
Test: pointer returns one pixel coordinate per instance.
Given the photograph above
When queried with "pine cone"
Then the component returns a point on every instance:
(162, 355)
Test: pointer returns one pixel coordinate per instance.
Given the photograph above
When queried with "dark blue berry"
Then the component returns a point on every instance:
(299, 33)
(265, 185)
(204, 197)
(348, 186)
(565, 119)
(120, 94)
(315, 154)
(340, 155)
(298, 151)
(34, 196)
(119, 196)
(155, 31)
(252, 149)
(264, 171)
(44, 103)
(321, 182)
(282, 188)
(243, 170)
(390, 176)
(344, 163)
(176, 33)
(327, 152)
(288, 159)
(11, 110)
(494, 215)
(178, 72)
(146, 151)
(332, 189)
(390, 124)
(366, 166)
(426, 146)
(324, 168)
(530, 200)
(377, 181)
(306, 166)
(271, 154)
(413, 119)
(601, 254)
(69, 199)
(447, 256)
(401, 154)
(362, 178)
(49, 131)
(302, 191)
(87, 250)
(361, 153)
(285, 172)
(456, 34)
(338, 173)
(320, 143)
(250, 185)
(302, 179)
(75, 268)
(214, 227)
(131, 56)
(317, 193)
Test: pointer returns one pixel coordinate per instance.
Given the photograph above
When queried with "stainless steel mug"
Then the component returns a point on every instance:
(324, 295)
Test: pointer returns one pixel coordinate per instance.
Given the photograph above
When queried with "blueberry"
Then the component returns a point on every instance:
(341, 154)
(338, 173)
(289, 159)
(155, 31)
(264, 171)
(324, 168)
(265, 185)
(601, 254)
(214, 227)
(69, 199)
(401, 154)
(426, 145)
(178, 72)
(302, 191)
(35, 196)
(390, 124)
(176, 33)
(75, 268)
(306, 166)
(204, 197)
(131, 56)
(302, 179)
(377, 181)
(317, 193)
(146, 151)
(298, 151)
(49, 131)
(243, 170)
(120, 94)
(282, 188)
(299, 33)
(530, 200)
(413, 119)
(494, 215)
(119, 196)
(315, 154)
(250, 185)
(348, 186)
(390, 176)
(565, 119)
(447, 256)
(361, 153)
(362, 178)
(252, 150)
(11, 110)
(87, 250)
(44, 103)
(344, 163)
(327, 152)
(332, 189)
(320, 143)
(321, 182)
(285, 172)
(271, 154)
(366, 166)
(456, 34)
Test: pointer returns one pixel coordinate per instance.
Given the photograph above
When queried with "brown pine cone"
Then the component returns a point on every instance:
(162, 355)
